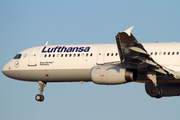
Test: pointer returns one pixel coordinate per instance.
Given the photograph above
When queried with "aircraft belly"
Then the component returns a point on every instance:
(59, 75)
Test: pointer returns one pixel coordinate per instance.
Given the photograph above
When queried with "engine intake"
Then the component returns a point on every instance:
(109, 74)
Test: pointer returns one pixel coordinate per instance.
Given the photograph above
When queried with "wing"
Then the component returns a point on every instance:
(134, 55)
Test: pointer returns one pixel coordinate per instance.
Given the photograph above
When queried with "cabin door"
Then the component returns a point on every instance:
(33, 56)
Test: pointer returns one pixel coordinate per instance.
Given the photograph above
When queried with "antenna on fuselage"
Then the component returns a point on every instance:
(46, 43)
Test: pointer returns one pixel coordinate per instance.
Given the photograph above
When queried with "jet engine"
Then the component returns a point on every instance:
(111, 75)
(167, 89)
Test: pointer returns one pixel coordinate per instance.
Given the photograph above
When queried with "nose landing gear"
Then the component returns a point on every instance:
(40, 97)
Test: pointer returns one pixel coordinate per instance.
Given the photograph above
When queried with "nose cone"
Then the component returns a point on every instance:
(5, 69)
(10, 71)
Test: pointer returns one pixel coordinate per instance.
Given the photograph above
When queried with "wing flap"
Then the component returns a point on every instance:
(158, 69)
(145, 60)
(136, 49)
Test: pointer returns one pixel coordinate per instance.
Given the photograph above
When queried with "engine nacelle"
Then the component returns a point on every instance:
(168, 89)
(111, 75)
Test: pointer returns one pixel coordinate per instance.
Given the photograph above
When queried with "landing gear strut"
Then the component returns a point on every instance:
(40, 97)
(154, 91)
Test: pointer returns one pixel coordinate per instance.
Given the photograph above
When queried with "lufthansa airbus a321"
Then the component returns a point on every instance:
(155, 64)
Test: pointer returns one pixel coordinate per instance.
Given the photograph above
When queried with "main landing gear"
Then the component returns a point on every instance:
(154, 91)
(40, 97)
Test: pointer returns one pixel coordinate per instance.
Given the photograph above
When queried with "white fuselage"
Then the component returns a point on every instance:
(68, 63)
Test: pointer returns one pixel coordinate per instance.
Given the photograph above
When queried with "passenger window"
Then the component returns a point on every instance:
(57, 55)
(177, 53)
(65, 55)
(111, 54)
(168, 53)
(164, 53)
(45, 55)
(74, 55)
(53, 55)
(151, 53)
(155, 53)
(70, 55)
(78, 55)
(82, 54)
(116, 54)
(107, 54)
(61, 55)
(87, 55)
(49, 55)
(91, 54)
(159, 53)
(172, 53)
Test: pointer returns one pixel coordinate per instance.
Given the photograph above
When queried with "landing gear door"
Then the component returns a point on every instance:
(101, 55)
(33, 56)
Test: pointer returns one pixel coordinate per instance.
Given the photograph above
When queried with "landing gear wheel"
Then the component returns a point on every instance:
(39, 97)
(153, 91)
(160, 94)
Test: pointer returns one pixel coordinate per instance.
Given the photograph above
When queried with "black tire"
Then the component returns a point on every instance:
(153, 91)
(160, 93)
(42, 98)
(39, 97)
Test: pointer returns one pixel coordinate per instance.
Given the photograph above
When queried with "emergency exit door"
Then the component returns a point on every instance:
(101, 55)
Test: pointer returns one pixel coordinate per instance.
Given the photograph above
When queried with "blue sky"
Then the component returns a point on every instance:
(25, 24)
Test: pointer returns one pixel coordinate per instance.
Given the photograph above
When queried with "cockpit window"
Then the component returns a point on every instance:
(18, 56)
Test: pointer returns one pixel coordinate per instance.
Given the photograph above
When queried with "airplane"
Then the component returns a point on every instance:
(155, 64)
